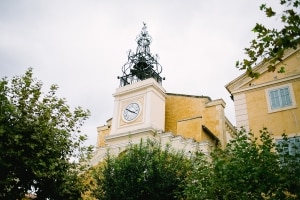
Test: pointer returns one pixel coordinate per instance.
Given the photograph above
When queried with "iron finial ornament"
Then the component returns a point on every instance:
(142, 64)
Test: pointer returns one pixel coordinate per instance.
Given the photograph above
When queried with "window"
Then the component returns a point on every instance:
(291, 146)
(280, 98)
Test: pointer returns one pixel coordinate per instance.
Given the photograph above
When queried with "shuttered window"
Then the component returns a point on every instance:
(280, 98)
(291, 146)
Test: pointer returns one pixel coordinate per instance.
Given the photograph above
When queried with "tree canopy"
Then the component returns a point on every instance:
(248, 168)
(40, 141)
(271, 43)
(143, 171)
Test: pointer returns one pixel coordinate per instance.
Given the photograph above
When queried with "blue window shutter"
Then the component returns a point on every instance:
(292, 146)
(285, 97)
(274, 97)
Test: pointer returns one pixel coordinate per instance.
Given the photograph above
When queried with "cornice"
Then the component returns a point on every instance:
(131, 133)
(187, 95)
(141, 85)
(252, 87)
(261, 68)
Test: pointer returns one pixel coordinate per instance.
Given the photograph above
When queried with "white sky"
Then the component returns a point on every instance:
(81, 45)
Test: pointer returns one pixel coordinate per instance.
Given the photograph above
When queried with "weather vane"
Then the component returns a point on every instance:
(142, 64)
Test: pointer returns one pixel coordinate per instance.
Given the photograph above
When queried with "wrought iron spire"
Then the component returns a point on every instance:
(142, 64)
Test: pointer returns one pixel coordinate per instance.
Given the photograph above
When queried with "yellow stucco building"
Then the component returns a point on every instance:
(270, 101)
(197, 117)
(143, 109)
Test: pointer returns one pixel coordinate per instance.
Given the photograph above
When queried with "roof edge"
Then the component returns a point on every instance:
(262, 67)
(187, 95)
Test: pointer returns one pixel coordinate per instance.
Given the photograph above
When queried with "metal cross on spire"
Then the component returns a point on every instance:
(142, 64)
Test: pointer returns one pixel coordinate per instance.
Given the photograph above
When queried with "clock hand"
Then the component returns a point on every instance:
(130, 111)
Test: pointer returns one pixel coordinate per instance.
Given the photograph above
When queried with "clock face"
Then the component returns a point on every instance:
(131, 111)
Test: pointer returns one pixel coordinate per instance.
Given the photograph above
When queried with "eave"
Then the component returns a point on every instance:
(238, 83)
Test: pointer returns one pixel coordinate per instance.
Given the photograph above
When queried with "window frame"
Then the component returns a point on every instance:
(291, 95)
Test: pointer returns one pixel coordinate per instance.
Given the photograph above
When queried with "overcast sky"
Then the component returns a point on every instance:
(81, 45)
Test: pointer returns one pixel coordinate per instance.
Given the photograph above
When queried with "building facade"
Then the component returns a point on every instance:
(272, 100)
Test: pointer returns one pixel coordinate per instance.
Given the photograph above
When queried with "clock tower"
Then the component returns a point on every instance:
(139, 106)
(143, 109)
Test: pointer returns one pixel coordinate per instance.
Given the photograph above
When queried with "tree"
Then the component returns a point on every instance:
(143, 171)
(271, 43)
(200, 184)
(289, 166)
(39, 138)
(248, 168)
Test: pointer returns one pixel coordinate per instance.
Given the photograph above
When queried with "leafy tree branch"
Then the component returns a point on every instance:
(270, 43)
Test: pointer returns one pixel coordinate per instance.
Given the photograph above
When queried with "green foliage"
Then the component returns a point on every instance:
(290, 168)
(270, 44)
(39, 136)
(248, 168)
(200, 183)
(144, 171)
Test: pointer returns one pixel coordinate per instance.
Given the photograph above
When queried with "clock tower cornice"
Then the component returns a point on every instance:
(140, 86)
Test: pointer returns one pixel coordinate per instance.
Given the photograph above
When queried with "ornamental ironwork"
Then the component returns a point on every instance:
(142, 64)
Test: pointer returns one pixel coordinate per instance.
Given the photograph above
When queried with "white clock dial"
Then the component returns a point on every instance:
(131, 111)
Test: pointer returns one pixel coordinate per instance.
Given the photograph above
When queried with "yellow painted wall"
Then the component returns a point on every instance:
(102, 132)
(179, 107)
(287, 121)
(292, 67)
(101, 137)
(214, 119)
(186, 114)
(191, 128)
(277, 122)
